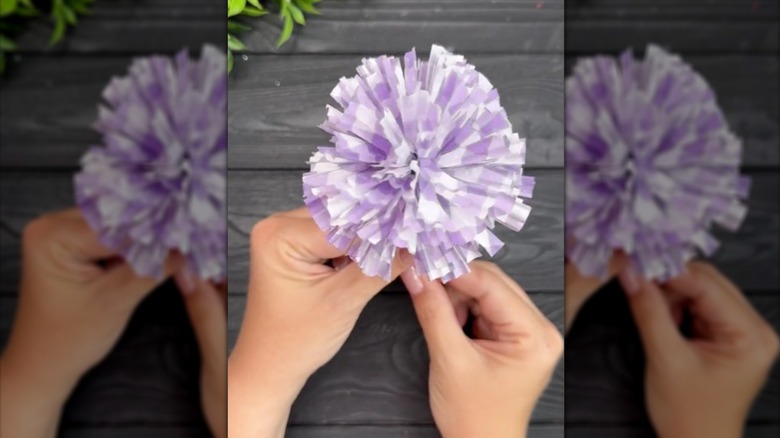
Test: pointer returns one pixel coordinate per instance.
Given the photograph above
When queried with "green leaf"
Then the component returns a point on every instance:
(235, 7)
(70, 16)
(7, 7)
(230, 61)
(254, 12)
(234, 44)
(286, 31)
(306, 6)
(6, 44)
(59, 31)
(297, 15)
(255, 3)
(236, 27)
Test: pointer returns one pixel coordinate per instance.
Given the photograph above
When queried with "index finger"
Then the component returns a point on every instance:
(498, 304)
(713, 299)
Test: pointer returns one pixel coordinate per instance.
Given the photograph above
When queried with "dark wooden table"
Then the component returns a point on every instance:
(733, 44)
(147, 386)
(377, 385)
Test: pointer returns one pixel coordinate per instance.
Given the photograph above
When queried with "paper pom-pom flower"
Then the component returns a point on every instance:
(157, 183)
(651, 164)
(424, 158)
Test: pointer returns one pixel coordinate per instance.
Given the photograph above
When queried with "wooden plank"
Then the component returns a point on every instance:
(134, 27)
(648, 10)
(392, 26)
(46, 113)
(607, 431)
(276, 105)
(716, 37)
(533, 256)
(148, 431)
(604, 362)
(381, 373)
(405, 431)
(149, 379)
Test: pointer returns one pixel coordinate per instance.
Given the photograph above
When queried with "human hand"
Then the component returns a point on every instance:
(206, 307)
(579, 288)
(487, 386)
(70, 313)
(299, 312)
(705, 385)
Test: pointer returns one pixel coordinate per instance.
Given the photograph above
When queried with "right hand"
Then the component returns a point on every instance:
(705, 385)
(486, 386)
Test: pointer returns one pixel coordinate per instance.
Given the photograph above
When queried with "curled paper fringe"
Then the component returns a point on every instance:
(157, 183)
(423, 158)
(651, 165)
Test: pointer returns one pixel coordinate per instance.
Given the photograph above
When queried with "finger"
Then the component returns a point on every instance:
(77, 235)
(350, 279)
(121, 280)
(512, 316)
(206, 308)
(299, 213)
(713, 300)
(304, 241)
(654, 320)
(510, 284)
(440, 326)
(579, 287)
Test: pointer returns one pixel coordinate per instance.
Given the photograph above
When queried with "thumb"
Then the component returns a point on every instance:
(655, 322)
(206, 309)
(435, 312)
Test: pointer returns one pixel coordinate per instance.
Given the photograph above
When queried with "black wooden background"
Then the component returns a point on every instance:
(733, 44)
(377, 385)
(147, 386)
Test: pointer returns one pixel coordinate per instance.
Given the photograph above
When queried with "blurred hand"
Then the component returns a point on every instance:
(207, 308)
(488, 386)
(299, 312)
(70, 313)
(703, 386)
(579, 288)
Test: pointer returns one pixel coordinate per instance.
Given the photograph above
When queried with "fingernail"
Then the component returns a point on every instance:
(406, 258)
(185, 279)
(630, 280)
(340, 262)
(412, 280)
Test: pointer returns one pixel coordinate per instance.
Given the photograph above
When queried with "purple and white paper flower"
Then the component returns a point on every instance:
(651, 164)
(423, 158)
(157, 183)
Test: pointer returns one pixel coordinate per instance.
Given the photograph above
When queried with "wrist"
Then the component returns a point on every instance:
(259, 402)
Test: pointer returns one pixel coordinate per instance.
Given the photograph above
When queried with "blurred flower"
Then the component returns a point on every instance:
(650, 163)
(157, 183)
(424, 158)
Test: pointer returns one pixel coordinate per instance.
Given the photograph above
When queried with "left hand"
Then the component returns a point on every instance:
(579, 288)
(207, 308)
(71, 312)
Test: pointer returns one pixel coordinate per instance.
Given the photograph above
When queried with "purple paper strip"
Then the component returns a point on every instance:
(423, 158)
(651, 164)
(157, 181)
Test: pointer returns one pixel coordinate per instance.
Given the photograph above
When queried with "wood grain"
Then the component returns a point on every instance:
(627, 431)
(504, 26)
(150, 378)
(396, 431)
(276, 105)
(604, 363)
(132, 26)
(46, 113)
(533, 256)
(380, 375)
